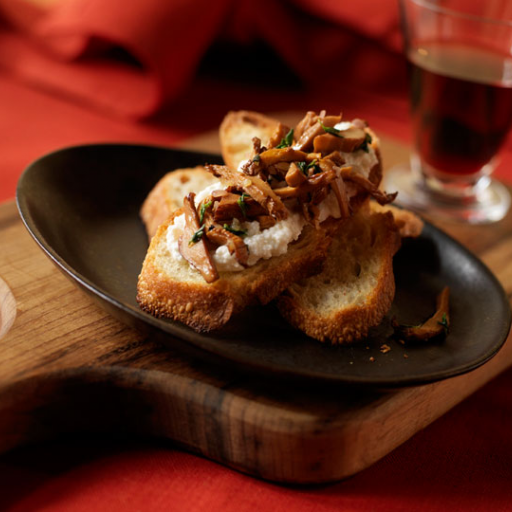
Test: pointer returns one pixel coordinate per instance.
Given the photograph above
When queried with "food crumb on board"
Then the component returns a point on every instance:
(405, 356)
(385, 348)
(372, 359)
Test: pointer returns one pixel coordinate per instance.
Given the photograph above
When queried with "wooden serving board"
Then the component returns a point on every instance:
(67, 366)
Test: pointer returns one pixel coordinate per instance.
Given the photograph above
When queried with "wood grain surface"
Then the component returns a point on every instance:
(67, 366)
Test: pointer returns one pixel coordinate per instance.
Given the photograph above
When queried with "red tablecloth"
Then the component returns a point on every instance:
(461, 462)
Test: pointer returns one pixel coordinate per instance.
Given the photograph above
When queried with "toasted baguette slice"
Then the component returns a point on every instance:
(356, 287)
(239, 127)
(167, 195)
(237, 131)
(172, 288)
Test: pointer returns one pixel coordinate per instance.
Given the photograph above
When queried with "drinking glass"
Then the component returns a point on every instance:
(459, 55)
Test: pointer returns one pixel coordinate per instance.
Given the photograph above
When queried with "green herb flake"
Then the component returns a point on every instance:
(444, 323)
(314, 165)
(303, 167)
(237, 232)
(408, 326)
(202, 211)
(332, 131)
(197, 236)
(256, 158)
(367, 141)
(287, 141)
(242, 204)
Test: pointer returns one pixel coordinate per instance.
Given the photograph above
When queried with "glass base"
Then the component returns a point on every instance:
(490, 205)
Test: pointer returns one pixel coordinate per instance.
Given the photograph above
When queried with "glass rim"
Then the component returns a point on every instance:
(460, 14)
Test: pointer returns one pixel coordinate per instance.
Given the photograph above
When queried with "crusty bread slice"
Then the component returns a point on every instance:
(170, 288)
(167, 195)
(237, 131)
(239, 127)
(409, 225)
(356, 287)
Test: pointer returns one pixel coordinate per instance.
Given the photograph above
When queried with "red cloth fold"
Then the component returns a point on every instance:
(78, 48)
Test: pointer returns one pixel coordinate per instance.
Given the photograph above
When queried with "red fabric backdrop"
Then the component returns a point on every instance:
(75, 47)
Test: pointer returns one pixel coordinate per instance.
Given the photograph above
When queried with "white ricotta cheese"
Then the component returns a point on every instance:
(264, 244)
(174, 232)
(361, 161)
(207, 191)
(241, 165)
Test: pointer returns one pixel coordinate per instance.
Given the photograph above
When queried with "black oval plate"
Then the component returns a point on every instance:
(81, 205)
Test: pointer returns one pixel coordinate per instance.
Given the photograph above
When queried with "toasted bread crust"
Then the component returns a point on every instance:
(408, 223)
(186, 297)
(237, 131)
(167, 195)
(341, 324)
(201, 308)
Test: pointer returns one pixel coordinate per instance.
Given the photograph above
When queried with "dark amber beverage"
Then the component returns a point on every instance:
(461, 107)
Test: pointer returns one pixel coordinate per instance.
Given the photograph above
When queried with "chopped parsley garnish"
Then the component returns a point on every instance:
(242, 204)
(366, 142)
(286, 141)
(304, 167)
(237, 232)
(332, 131)
(314, 165)
(256, 158)
(407, 326)
(444, 323)
(196, 236)
(202, 211)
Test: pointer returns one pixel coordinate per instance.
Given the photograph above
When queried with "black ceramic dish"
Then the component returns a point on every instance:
(81, 205)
